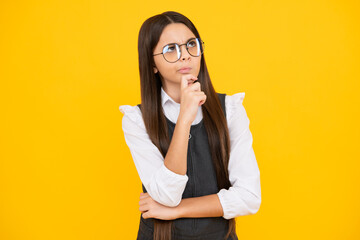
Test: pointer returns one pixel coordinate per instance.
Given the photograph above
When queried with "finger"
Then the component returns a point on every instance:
(143, 197)
(189, 78)
(203, 100)
(142, 202)
(184, 83)
(146, 215)
(196, 87)
(192, 79)
(143, 208)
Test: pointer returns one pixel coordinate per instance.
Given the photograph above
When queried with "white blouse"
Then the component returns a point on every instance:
(167, 187)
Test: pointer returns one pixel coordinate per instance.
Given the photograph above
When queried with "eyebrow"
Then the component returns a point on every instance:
(178, 43)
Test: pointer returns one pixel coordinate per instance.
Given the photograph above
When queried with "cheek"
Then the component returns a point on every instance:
(198, 64)
(166, 67)
(167, 71)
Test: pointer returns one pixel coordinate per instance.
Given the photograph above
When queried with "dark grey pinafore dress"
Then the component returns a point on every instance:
(202, 181)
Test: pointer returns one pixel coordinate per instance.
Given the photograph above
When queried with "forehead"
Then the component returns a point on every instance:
(175, 33)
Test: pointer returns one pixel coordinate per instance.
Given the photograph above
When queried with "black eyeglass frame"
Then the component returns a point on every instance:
(187, 49)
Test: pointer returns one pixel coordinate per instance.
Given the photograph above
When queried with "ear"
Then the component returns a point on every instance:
(155, 70)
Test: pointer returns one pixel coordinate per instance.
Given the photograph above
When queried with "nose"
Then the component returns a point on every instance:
(184, 53)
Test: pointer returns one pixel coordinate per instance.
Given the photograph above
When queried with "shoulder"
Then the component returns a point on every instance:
(234, 99)
(132, 119)
(234, 104)
(236, 116)
(235, 112)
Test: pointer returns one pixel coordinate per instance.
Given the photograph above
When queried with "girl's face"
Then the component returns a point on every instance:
(169, 72)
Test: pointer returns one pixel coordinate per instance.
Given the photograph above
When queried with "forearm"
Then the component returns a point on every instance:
(176, 157)
(197, 207)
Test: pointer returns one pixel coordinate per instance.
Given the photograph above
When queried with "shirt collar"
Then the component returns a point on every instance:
(166, 98)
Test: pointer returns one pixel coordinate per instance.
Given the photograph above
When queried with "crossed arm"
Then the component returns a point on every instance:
(196, 207)
(165, 183)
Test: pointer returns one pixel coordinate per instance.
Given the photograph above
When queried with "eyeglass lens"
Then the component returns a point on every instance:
(172, 52)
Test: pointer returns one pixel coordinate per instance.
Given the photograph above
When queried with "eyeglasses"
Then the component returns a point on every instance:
(172, 51)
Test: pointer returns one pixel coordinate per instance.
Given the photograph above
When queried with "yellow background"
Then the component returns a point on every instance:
(66, 66)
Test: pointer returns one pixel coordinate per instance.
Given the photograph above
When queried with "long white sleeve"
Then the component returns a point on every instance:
(162, 184)
(244, 195)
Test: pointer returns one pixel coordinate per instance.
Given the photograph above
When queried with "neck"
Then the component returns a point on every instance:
(173, 91)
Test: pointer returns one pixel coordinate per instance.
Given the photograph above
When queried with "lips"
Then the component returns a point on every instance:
(185, 69)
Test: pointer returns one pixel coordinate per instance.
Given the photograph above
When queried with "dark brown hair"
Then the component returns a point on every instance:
(213, 116)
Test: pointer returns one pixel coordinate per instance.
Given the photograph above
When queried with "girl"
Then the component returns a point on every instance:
(191, 146)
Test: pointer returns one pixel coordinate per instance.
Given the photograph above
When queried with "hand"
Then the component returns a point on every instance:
(152, 209)
(191, 97)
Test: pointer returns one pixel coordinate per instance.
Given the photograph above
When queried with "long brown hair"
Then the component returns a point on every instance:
(154, 119)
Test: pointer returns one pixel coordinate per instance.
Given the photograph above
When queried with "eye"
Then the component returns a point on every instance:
(169, 48)
(192, 43)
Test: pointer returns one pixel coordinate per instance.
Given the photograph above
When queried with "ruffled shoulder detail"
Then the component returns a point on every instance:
(233, 103)
(235, 99)
(133, 113)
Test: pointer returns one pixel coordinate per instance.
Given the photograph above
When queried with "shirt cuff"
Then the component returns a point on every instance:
(234, 205)
(169, 187)
(173, 175)
(225, 204)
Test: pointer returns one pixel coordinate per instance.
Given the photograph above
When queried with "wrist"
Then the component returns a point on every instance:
(181, 120)
(178, 211)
